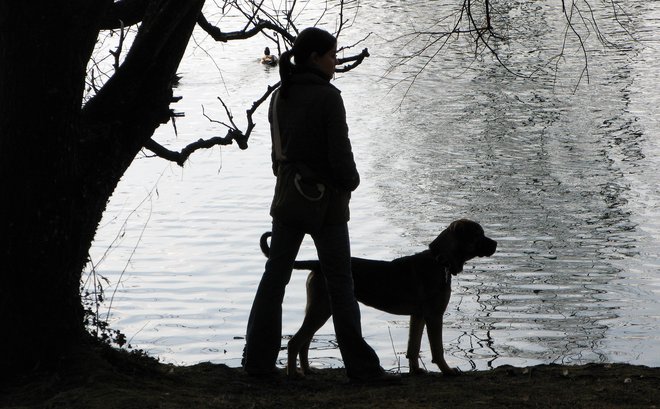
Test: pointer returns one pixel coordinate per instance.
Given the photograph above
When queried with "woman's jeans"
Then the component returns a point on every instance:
(264, 331)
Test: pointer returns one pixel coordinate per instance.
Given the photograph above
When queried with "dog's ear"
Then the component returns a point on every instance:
(459, 229)
(442, 243)
(444, 248)
(466, 229)
(445, 252)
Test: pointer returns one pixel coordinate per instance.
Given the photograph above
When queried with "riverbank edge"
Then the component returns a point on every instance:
(116, 379)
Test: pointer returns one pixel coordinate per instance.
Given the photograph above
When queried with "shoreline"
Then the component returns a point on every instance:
(121, 380)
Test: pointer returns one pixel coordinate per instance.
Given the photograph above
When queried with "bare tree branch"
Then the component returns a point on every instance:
(255, 105)
(117, 52)
(180, 157)
(233, 134)
(476, 21)
(570, 27)
(218, 35)
(356, 59)
(255, 25)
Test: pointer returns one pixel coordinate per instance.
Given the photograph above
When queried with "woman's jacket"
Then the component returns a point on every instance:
(314, 133)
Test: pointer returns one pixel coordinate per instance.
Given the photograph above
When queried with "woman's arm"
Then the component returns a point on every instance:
(340, 153)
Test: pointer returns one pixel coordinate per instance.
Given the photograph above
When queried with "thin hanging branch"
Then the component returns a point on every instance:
(116, 54)
(261, 25)
(476, 20)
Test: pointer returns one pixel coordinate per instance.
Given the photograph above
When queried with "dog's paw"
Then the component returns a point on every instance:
(451, 371)
(295, 375)
(311, 371)
(418, 372)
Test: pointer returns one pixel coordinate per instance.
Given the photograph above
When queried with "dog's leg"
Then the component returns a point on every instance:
(434, 322)
(293, 348)
(415, 343)
(299, 344)
(434, 327)
(317, 313)
(304, 357)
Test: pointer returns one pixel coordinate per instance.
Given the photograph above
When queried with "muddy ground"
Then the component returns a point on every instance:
(120, 380)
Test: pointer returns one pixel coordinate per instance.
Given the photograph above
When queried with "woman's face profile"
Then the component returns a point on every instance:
(326, 62)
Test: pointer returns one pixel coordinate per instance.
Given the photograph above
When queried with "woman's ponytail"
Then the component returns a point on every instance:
(286, 71)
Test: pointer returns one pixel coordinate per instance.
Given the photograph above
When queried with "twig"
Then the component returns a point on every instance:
(229, 115)
(117, 53)
(357, 60)
(137, 243)
(255, 105)
(396, 357)
(215, 120)
(261, 25)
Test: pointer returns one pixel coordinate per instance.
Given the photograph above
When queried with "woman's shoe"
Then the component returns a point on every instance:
(382, 379)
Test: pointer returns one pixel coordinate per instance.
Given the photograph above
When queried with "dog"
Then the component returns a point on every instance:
(418, 285)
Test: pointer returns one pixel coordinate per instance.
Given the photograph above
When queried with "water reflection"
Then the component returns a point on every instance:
(565, 181)
(545, 171)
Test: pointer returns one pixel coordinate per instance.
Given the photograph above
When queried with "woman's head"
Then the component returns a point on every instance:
(312, 43)
(314, 48)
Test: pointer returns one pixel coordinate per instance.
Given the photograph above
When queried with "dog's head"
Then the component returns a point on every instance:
(461, 241)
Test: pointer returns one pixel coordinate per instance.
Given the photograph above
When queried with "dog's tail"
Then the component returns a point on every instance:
(298, 265)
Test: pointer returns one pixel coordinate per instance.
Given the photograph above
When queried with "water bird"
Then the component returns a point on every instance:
(268, 58)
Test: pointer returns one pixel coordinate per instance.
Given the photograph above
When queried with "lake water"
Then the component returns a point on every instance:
(563, 175)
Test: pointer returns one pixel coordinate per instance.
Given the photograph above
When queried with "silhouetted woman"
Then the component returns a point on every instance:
(313, 131)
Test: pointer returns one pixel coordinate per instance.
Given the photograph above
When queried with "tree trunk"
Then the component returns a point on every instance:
(42, 71)
(59, 164)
